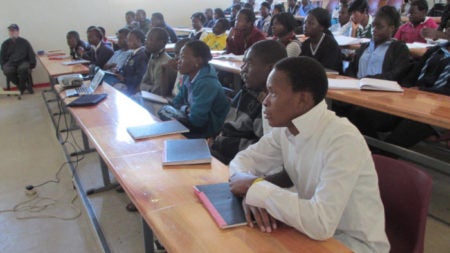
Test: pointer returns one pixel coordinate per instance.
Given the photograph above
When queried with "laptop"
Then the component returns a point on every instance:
(87, 89)
(87, 100)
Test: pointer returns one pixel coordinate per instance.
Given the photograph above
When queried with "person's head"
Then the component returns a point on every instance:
(245, 20)
(130, 17)
(305, 2)
(235, 9)
(317, 22)
(264, 9)
(158, 20)
(344, 15)
(103, 31)
(72, 39)
(248, 6)
(218, 13)
(250, 2)
(198, 19)
(13, 30)
(258, 62)
(193, 56)
(122, 38)
(94, 36)
(418, 11)
(221, 26)
(278, 8)
(295, 85)
(385, 23)
(236, 2)
(178, 46)
(156, 40)
(136, 39)
(291, 3)
(358, 10)
(209, 13)
(283, 24)
(141, 15)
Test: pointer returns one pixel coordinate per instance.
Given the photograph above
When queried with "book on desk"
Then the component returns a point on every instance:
(186, 151)
(364, 84)
(157, 129)
(223, 206)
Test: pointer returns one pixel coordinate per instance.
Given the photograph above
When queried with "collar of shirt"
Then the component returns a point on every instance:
(98, 46)
(157, 54)
(369, 24)
(306, 124)
(199, 31)
(137, 50)
(372, 45)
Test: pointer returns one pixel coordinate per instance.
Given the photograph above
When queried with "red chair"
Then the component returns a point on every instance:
(405, 191)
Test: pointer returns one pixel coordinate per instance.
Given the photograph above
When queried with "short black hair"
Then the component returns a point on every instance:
(73, 34)
(286, 20)
(200, 49)
(390, 14)
(279, 7)
(421, 5)
(102, 30)
(161, 34)
(138, 34)
(277, 51)
(305, 74)
(158, 15)
(180, 44)
(322, 16)
(200, 15)
(143, 11)
(236, 7)
(219, 12)
(265, 4)
(96, 30)
(130, 13)
(124, 31)
(249, 14)
(359, 5)
(225, 23)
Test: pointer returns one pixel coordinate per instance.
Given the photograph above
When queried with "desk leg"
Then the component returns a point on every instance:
(148, 238)
(86, 147)
(107, 185)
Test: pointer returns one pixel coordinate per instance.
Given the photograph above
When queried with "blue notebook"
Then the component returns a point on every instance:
(157, 129)
(186, 151)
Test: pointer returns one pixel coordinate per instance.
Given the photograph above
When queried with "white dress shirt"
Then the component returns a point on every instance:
(335, 191)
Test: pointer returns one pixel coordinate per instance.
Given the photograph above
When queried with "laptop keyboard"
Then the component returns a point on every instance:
(83, 90)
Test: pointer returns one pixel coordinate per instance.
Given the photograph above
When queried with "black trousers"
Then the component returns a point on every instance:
(18, 74)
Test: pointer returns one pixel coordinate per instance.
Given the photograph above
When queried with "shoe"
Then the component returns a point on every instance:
(131, 208)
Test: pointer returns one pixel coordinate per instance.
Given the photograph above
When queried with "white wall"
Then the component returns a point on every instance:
(45, 22)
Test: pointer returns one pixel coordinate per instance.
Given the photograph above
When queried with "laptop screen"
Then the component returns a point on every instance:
(98, 78)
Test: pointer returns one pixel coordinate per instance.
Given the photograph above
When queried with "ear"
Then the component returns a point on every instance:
(304, 101)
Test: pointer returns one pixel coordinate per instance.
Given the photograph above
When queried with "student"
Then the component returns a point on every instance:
(263, 23)
(277, 8)
(158, 21)
(105, 40)
(209, 22)
(362, 21)
(243, 125)
(292, 7)
(321, 44)
(144, 23)
(172, 66)
(156, 46)
(76, 45)
(120, 56)
(201, 99)
(17, 58)
(131, 23)
(335, 191)
(218, 13)
(344, 25)
(305, 8)
(234, 11)
(243, 34)
(217, 40)
(283, 26)
(410, 32)
(382, 57)
(133, 70)
(198, 19)
(229, 10)
(445, 18)
(100, 53)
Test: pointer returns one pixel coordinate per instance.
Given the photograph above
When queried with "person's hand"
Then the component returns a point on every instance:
(120, 77)
(262, 218)
(240, 182)
(80, 51)
(428, 33)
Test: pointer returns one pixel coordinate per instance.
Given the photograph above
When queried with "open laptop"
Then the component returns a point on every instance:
(87, 89)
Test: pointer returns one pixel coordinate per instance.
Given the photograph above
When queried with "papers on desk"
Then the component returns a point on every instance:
(153, 97)
(186, 151)
(418, 45)
(223, 206)
(230, 57)
(364, 84)
(157, 129)
(346, 41)
(75, 62)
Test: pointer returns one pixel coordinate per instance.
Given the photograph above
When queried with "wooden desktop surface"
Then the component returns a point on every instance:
(164, 195)
(56, 68)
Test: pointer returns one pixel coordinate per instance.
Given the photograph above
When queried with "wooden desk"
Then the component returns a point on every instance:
(164, 195)
(56, 68)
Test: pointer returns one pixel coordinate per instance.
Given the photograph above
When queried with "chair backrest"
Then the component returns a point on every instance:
(405, 191)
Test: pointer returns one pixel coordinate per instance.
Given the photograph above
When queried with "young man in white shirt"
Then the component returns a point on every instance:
(335, 187)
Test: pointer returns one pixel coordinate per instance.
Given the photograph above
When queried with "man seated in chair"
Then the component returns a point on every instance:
(17, 58)
(335, 186)
(243, 124)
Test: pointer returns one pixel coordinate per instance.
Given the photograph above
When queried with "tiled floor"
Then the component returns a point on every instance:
(31, 154)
